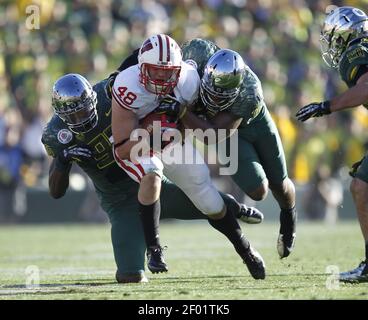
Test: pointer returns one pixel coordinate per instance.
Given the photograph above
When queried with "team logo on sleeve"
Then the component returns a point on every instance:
(64, 136)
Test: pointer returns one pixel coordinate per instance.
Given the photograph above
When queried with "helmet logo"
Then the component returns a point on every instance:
(64, 136)
(359, 12)
(147, 46)
(160, 64)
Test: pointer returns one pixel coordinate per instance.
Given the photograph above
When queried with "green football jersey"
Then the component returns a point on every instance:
(109, 179)
(354, 56)
(250, 103)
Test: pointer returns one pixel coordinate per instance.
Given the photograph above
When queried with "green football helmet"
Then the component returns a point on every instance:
(341, 26)
(74, 101)
(222, 78)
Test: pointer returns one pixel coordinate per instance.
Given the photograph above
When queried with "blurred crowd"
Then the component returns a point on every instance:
(279, 40)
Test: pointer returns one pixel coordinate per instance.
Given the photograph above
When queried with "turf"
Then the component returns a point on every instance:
(76, 262)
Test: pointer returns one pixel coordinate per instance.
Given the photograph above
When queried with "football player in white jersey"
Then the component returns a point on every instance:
(137, 91)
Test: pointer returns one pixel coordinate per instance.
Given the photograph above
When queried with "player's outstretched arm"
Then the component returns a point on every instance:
(58, 180)
(353, 97)
(60, 168)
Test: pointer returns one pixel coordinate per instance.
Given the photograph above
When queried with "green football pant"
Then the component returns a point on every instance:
(126, 229)
(260, 154)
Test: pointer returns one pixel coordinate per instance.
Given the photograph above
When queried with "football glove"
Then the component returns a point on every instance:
(72, 153)
(171, 107)
(315, 109)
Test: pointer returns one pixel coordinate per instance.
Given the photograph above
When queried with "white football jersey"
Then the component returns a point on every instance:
(132, 95)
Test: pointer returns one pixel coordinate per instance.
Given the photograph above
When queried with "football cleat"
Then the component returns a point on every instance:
(155, 258)
(138, 277)
(254, 262)
(247, 214)
(250, 215)
(357, 275)
(286, 239)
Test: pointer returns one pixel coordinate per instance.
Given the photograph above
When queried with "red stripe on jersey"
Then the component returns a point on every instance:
(160, 47)
(169, 125)
(126, 167)
(167, 48)
(120, 102)
(140, 169)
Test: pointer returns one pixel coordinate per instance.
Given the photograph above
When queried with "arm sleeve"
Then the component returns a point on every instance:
(250, 99)
(353, 64)
(363, 69)
(50, 142)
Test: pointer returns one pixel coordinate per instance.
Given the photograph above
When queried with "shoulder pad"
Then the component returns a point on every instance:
(355, 56)
(199, 51)
(189, 82)
(250, 100)
(56, 136)
(127, 88)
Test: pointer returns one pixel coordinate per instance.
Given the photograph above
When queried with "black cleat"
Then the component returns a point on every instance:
(254, 262)
(357, 275)
(286, 239)
(246, 214)
(138, 277)
(155, 260)
(250, 215)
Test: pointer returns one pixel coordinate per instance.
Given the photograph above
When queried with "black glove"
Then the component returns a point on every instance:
(171, 107)
(72, 153)
(314, 109)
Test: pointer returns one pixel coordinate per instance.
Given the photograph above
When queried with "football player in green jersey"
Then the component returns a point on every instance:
(344, 45)
(231, 98)
(80, 132)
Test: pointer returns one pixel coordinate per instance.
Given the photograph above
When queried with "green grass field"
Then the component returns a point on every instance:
(76, 262)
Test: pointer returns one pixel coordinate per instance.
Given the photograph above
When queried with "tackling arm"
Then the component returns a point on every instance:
(223, 120)
(353, 97)
(58, 180)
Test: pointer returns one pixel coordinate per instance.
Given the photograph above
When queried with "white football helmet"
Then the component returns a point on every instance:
(159, 62)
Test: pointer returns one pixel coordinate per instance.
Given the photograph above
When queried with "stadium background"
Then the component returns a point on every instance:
(278, 39)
